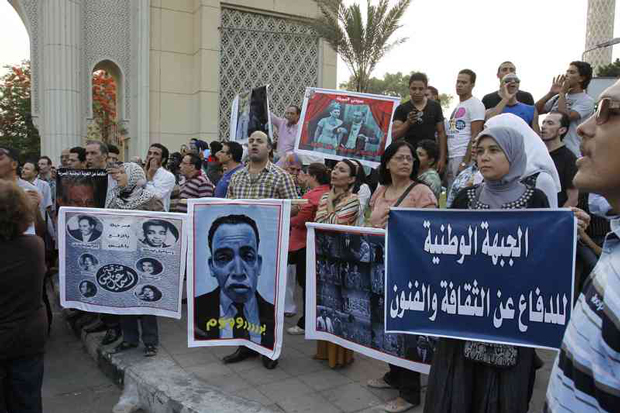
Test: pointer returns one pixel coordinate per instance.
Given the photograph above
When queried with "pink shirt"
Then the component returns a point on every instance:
(286, 134)
(420, 196)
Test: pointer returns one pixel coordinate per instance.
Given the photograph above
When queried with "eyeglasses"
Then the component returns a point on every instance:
(403, 158)
(605, 108)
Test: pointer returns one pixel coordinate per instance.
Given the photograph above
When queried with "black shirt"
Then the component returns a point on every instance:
(492, 99)
(564, 161)
(426, 121)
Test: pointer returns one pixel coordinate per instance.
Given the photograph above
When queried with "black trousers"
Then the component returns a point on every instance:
(299, 259)
(407, 383)
(20, 385)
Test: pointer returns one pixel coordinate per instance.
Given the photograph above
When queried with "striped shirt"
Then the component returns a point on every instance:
(270, 183)
(345, 212)
(586, 373)
(197, 187)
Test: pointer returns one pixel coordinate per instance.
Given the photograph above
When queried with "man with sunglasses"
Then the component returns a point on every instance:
(586, 373)
(510, 104)
(492, 99)
(567, 95)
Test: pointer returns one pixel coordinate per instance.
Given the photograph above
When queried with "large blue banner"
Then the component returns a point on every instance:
(494, 276)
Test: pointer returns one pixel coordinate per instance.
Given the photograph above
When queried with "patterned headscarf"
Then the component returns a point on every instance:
(134, 194)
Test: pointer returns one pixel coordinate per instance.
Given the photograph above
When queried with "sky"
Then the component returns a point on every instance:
(540, 36)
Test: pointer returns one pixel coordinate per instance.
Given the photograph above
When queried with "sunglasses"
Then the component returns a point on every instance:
(605, 108)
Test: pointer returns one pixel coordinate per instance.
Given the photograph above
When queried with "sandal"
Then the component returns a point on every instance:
(398, 405)
(379, 383)
(124, 345)
(150, 350)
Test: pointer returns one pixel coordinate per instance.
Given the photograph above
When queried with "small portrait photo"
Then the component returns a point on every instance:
(88, 289)
(85, 228)
(149, 267)
(148, 293)
(158, 233)
(88, 262)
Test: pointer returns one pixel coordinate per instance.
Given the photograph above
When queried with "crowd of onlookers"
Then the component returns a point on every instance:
(488, 154)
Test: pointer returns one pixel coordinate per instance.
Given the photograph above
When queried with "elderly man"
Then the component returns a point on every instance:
(64, 158)
(585, 376)
(236, 264)
(196, 184)
(30, 171)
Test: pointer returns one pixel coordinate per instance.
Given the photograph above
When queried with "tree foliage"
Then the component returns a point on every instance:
(610, 70)
(16, 127)
(360, 42)
(393, 84)
(104, 105)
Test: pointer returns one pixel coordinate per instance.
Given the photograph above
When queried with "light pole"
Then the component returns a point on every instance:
(600, 46)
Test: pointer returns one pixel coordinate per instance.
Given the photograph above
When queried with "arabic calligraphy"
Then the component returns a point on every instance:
(473, 300)
(498, 247)
(116, 278)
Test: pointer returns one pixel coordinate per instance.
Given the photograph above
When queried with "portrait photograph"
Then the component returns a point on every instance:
(83, 188)
(88, 289)
(84, 228)
(339, 124)
(88, 262)
(149, 267)
(157, 233)
(250, 113)
(238, 271)
(148, 293)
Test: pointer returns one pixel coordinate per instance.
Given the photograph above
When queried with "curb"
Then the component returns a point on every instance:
(158, 384)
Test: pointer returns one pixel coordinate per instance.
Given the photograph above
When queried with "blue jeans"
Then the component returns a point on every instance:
(20, 385)
(131, 334)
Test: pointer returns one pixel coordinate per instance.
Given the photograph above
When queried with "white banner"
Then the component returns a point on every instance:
(122, 262)
(236, 279)
(345, 295)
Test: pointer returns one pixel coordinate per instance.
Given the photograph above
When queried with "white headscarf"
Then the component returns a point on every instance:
(538, 158)
(134, 194)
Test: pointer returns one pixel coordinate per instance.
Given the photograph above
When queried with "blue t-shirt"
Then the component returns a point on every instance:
(525, 112)
(222, 185)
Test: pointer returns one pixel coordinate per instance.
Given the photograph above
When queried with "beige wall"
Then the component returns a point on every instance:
(184, 64)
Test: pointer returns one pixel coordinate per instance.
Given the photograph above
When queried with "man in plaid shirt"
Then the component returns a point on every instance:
(259, 179)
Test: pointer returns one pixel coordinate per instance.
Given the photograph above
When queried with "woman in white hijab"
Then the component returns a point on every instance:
(538, 159)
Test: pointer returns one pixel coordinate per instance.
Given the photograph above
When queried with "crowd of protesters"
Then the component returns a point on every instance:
(488, 154)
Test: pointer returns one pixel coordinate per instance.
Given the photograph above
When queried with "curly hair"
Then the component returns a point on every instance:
(16, 213)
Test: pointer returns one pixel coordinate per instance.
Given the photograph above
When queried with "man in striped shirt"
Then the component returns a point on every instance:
(196, 185)
(586, 373)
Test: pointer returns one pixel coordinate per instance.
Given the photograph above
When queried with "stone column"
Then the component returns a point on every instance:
(599, 29)
(140, 124)
(60, 76)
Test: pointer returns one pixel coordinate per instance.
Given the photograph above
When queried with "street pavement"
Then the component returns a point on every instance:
(73, 383)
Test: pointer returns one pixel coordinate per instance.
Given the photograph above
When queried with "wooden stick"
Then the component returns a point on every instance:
(298, 201)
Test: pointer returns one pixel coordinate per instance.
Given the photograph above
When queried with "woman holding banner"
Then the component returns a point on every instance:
(338, 206)
(399, 188)
(130, 194)
(471, 376)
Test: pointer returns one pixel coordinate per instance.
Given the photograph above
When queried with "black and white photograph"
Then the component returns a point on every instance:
(238, 271)
(88, 289)
(84, 228)
(345, 296)
(250, 113)
(129, 278)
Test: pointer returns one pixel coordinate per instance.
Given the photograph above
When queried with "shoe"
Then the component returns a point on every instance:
(111, 336)
(269, 363)
(150, 350)
(379, 383)
(122, 347)
(296, 331)
(398, 405)
(98, 327)
(241, 354)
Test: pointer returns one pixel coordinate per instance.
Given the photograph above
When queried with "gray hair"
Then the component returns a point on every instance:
(103, 148)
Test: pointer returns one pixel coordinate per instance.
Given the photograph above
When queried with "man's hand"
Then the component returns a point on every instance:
(556, 85)
(152, 165)
(441, 165)
(583, 219)
(505, 93)
(412, 117)
(566, 87)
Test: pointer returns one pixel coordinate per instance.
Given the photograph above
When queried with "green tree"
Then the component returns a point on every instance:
(16, 127)
(610, 70)
(360, 42)
(393, 84)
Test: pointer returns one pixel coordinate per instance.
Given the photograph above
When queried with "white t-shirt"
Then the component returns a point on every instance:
(581, 103)
(162, 184)
(459, 130)
(27, 186)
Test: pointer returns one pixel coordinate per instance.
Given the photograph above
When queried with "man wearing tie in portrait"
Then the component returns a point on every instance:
(236, 264)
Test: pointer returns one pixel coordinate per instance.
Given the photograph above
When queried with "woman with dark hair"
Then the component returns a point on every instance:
(399, 188)
(427, 153)
(130, 194)
(23, 319)
(503, 383)
(317, 183)
(338, 206)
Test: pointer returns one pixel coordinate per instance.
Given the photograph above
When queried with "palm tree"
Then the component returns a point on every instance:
(361, 44)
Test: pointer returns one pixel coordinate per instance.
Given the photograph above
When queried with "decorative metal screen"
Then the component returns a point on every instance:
(256, 50)
(599, 29)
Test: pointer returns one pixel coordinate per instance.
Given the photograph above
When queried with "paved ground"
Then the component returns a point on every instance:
(73, 382)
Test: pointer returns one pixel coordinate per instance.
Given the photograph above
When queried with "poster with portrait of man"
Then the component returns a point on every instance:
(345, 293)
(250, 113)
(82, 188)
(337, 124)
(122, 262)
(236, 277)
